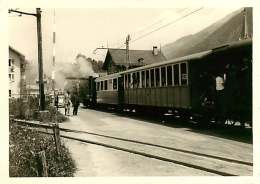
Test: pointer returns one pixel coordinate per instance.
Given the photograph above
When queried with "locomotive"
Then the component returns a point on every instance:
(185, 86)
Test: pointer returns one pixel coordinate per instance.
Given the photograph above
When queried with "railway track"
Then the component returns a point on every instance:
(205, 162)
(160, 146)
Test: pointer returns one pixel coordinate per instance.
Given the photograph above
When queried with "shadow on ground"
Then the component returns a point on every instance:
(235, 133)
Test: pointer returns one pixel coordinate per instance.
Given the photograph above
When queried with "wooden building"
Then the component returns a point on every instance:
(116, 59)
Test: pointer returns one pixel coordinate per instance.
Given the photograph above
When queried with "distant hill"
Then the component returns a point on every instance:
(226, 30)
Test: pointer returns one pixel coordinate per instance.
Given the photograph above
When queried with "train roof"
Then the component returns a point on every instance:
(76, 78)
(107, 77)
(234, 45)
(199, 55)
(185, 58)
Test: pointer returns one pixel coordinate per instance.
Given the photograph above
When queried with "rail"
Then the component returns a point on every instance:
(50, 126)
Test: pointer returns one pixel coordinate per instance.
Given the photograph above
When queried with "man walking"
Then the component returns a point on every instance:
(75, 103)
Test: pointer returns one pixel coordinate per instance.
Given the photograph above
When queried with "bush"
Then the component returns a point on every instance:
(24, 144)
(55, 115)
(27, 108)
(23, 108)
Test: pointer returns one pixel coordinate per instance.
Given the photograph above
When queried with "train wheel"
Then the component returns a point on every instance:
(230, 122)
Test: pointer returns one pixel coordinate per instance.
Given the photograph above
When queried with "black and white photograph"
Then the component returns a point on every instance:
(130, 92)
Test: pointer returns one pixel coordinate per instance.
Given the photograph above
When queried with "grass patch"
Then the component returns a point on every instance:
(24, 144)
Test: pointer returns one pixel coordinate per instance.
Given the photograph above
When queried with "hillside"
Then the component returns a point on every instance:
(226, 30)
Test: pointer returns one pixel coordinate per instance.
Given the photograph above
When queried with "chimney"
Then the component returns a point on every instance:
(155, 50)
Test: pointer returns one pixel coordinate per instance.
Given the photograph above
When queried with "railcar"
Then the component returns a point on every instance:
(185, 85)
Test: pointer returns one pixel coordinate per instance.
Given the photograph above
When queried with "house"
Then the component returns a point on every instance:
(16, 73)
(33, 89)
(116, 61)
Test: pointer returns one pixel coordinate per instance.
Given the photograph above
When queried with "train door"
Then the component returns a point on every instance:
(92, 91)
(121, 90)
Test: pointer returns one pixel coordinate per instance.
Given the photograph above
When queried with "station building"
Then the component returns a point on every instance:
(116, 60)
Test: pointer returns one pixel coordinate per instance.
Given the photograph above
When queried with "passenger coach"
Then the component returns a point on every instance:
(185, 85)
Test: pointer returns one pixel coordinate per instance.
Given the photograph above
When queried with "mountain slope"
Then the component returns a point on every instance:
(226, 30)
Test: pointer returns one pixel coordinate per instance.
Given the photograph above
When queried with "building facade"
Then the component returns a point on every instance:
(16, 73)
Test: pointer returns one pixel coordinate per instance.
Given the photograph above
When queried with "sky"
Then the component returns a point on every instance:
(82, 30)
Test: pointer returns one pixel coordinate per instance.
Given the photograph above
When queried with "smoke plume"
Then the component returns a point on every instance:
(80, 68)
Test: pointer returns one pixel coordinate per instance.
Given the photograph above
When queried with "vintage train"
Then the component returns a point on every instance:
(185, 86)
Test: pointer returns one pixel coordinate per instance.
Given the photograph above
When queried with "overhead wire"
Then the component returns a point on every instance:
(159, 21)
(161, 27)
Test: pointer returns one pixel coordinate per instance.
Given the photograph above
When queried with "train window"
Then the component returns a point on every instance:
(184, 75)
(115, 84)
(157, 77)
(163, 76)
(143, 79)
(138, 79)
(134, 80)
(152, 77)
(110, 84)
(169, 75)
(129, 81)
(176, 75)
(147, 78)
(105, 85)
(98, 86)
(102, 85)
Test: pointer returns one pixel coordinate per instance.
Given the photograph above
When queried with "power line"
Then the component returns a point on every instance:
(158, 21)
(157, 29)
(133, 34)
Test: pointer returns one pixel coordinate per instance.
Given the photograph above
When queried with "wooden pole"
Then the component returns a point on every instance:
(42, 164)
(56, 131)
(40, 64)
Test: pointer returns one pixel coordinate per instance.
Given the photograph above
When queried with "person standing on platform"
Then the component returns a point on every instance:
(75, 103)
(67, 103)
(220, 101)
(56, 100)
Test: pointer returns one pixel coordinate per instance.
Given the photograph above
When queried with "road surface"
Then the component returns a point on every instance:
(94, 160)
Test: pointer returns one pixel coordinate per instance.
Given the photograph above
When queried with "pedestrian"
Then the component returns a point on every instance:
(75, 103)
(220, 104)
(67, 103)
(56, 100)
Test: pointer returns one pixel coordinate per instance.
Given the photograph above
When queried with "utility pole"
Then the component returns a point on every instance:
(40, 64)
(53, 52)
(127, 50)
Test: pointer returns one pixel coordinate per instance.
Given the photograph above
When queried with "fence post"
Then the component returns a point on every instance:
(11, 118)
(42, 164)
(56, 131)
